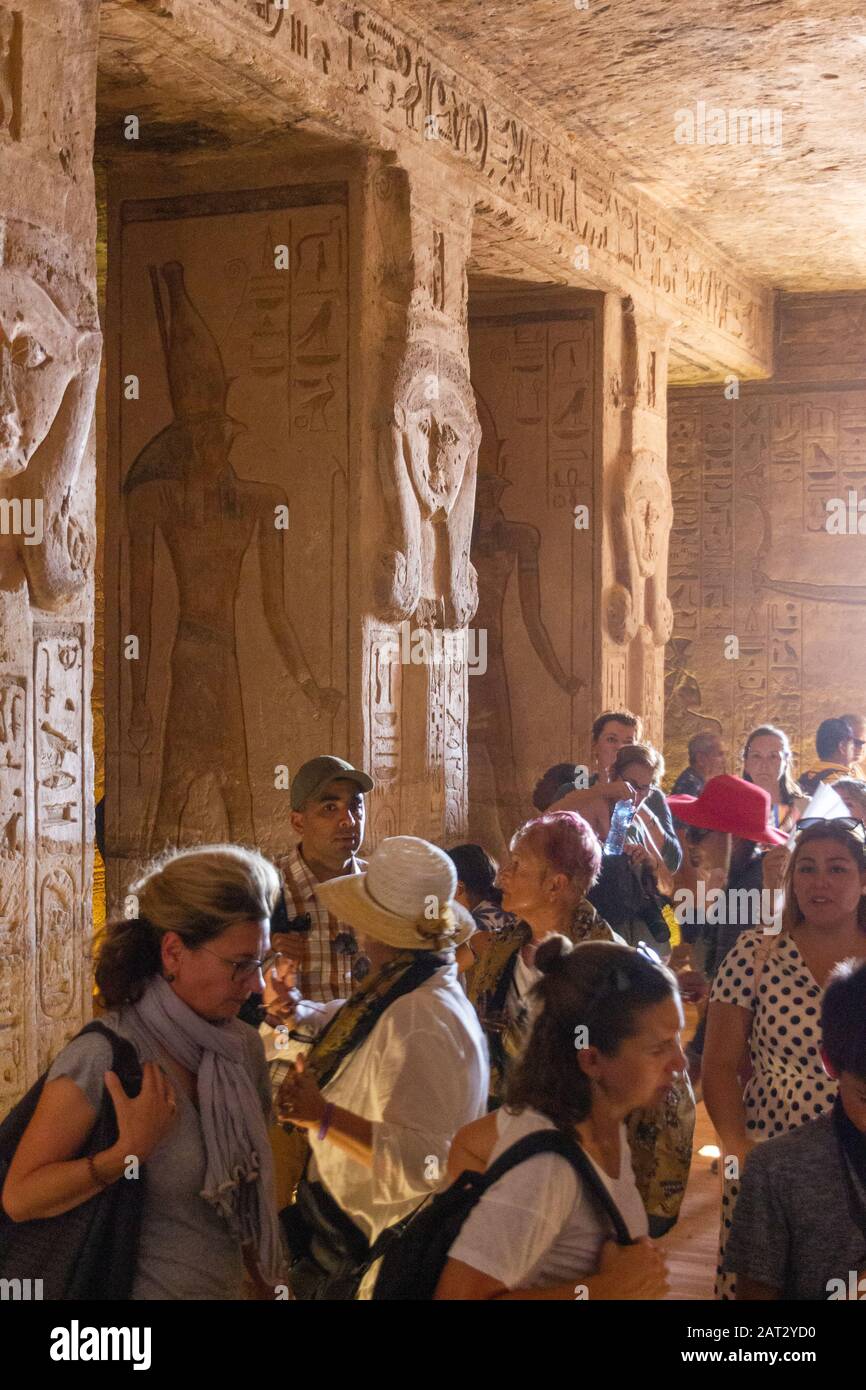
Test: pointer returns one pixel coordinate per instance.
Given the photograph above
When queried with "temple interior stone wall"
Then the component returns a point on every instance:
(534, 371)
(50, 347)
(752, 557)
(380, 322)
(230, 322)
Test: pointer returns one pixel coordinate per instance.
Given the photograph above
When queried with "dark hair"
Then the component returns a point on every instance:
(855, 788)
(197, 893)
(601, 985)
(788, 788)
(829, 830)
(843, 1018)
(617, 716)
(544, 793)
(477, 870)
(831, 732)
(642, 753)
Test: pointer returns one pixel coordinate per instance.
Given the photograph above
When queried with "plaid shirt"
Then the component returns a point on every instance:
(325, 972)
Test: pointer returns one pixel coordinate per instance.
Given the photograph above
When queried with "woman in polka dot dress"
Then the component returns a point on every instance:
(766, 1001)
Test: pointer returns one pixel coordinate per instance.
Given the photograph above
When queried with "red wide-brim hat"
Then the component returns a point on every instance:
(732, 805)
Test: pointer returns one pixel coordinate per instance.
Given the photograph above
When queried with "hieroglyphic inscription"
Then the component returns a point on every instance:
(533, 379)
(570, 416)
(59, 733)
(12, 996)
(413, 91)
(815, 329)
(58, 711)
(256, 316)
(723, 543)
(382, 735)
(56, 941)
(455, 704)
(13, 775)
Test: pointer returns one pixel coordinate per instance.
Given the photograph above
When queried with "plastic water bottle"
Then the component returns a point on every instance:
(623, 814)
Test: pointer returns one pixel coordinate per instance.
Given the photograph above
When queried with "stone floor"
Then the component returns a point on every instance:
(691, 1245)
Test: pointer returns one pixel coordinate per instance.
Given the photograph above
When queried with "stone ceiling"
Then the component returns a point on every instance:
(189, 104)
(792, 211)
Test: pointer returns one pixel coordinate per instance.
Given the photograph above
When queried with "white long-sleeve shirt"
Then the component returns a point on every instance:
(418, 1077)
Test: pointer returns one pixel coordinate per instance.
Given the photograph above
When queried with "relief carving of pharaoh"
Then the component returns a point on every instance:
(641, 524)
(49, 366)
(428, 457)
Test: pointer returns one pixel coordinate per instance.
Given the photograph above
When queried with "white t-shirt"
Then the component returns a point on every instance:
(536, 1227)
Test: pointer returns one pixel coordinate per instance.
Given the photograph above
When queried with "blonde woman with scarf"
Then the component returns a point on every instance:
(393, 1073)
(173, 980)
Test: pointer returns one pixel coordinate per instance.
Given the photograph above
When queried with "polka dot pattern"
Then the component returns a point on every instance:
(788, 1084)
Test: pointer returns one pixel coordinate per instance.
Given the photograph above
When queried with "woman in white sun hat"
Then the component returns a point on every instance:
(393, 1073)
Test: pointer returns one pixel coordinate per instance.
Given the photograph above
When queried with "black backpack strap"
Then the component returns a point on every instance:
(553, 1141)
(125, 1061)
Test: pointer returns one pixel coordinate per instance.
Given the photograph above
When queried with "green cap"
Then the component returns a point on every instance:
(315, 775)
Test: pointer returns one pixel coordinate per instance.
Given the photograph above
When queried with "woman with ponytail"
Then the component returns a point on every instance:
(173, 980)
(605, 1041)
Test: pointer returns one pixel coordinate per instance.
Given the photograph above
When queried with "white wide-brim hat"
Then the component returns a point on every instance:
(405, 899)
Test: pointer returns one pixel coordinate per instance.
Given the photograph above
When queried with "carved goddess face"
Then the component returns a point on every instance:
(38, 358)
(647, 514)
(437, 443)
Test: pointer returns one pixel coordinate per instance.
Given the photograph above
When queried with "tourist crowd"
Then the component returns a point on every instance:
(429, 1075)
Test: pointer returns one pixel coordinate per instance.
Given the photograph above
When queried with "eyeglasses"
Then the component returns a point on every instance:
(850, 823)
(242, 969)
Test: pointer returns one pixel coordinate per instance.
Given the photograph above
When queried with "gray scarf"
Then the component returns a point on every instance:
(239, 1178)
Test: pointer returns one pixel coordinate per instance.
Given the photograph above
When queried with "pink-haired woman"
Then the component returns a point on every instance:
(554, 860)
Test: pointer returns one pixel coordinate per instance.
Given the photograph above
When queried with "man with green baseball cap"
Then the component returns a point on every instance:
(314, 776)
(327, 815)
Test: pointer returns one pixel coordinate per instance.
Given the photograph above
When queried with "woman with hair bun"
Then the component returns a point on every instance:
(604, 1042)
(555, 860)
(173, 980)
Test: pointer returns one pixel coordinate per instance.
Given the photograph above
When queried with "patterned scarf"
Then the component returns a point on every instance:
(489, 980)
(359, 1015)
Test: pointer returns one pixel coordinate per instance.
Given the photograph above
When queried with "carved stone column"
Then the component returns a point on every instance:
(637, 619)
(421, 426)
(49, 358)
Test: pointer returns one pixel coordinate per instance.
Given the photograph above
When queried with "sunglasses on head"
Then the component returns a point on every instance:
(852, 824)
